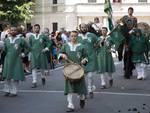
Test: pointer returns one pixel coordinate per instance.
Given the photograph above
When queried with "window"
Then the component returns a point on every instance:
(142, 0)
(54, 8)
(55, 26)
(116, 1)
(54, 1)
(91, 1)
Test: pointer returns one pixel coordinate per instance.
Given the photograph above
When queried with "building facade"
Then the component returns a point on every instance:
(68, 14)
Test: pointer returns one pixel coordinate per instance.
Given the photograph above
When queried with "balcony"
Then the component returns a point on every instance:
(119, 9)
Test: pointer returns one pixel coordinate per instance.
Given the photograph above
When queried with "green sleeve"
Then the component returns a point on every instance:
(47, 41)
(25, 46)
(30, 41)
(111, 41)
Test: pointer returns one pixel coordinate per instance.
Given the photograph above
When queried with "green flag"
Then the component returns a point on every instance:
(107, 7)
(117, 36)
(108, 10)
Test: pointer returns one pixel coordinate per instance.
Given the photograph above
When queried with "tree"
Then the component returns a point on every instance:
(16, 11)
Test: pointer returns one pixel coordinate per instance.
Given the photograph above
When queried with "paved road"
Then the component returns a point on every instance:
(125, 95)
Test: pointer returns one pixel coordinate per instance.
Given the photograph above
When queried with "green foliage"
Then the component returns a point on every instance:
(16, 11)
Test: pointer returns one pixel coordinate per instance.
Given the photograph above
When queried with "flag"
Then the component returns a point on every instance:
(115, 33)
(108, 11)
(117, 36)
(107, 7)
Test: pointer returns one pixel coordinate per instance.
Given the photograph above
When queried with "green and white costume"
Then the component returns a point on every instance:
(88, 41)
(13, 68)
(39, 46)
(74, 52)
(104, 58)
(140, 47)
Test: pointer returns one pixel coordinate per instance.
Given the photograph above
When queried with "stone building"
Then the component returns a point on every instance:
(68, 14)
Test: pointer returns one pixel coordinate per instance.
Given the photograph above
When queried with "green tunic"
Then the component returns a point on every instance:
(74, 53)
(13, 68)
(140, 48)
(88, 41)
(39, 59)
(104, 56)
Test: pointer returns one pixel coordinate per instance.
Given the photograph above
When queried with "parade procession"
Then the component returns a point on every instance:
(72, 59)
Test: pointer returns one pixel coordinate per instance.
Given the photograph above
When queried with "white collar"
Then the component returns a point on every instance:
(36, 37)
(84, 36)
(104, 37)
(12, 40)
(73, 47)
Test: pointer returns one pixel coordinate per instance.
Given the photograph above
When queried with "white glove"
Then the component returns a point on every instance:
(23, 55)
(131, 31)
(83, 61)
(45, 49)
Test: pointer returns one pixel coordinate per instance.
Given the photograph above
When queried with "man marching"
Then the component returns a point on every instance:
(75, 52)
(39, 45)
(13, 68)
(88, 40)
(139, 46)
(104, 58)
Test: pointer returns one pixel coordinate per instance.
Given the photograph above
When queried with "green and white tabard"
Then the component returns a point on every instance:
(13, 67)
(104, 56)
(75, 53)
(88, 41)
(38, 57)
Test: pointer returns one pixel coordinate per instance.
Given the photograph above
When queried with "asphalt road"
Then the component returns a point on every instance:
(126, 96)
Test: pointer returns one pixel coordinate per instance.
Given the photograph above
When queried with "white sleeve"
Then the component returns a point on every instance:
(3, 35)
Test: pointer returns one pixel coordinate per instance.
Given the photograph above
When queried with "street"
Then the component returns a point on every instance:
(126, 96)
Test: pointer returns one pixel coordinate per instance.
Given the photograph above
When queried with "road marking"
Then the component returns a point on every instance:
(107, 93)
(56, 68)
(124, 94)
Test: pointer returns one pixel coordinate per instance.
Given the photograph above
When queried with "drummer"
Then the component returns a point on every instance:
(74, 51)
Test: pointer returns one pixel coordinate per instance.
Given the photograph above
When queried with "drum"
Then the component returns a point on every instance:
(145, 28)
(73, 72)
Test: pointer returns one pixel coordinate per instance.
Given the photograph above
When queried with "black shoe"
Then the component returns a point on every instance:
(43, 81)
(70, 110)
(91, 95)
(126, 77)
(34, 85)
(103, 87)
(140, 78)
(111, 82)
(82, 103)
(6, 94)
(12, 95)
